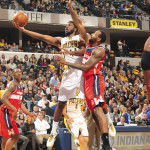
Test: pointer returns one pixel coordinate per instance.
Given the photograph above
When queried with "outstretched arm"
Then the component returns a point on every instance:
(98, 54)
(46, 38)
(78, 23)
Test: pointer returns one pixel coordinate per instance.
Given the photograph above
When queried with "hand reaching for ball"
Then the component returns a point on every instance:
(16, 25)
(20, 20)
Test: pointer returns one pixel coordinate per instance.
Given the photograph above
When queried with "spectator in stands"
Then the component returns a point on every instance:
(54, 103)
(38, 96)
(125, 48)
(12, 5)
(119, 44)
(3, 5)
(103, 11)
(35, 109)
(8, 71)
(107, 51)
(44, 63)
(21, 138)
(16, 60)
(48, 110)
(115, 115)
(21, 119)
(27, 98)
(34, 60)
(14, 47)
(47, 59)
(54, 80)
(122, 122)
(86, 12)
(28, 47)
(41, 103)
(11, 64)
(41, 127)
(6, 47)
(26, 59)
(29, 131)
(123, 112)
(40, 60)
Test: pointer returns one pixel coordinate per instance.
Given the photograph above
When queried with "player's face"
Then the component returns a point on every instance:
(94, 37)
(69, 29)
(17, 74)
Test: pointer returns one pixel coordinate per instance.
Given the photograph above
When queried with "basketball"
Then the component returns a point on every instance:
(20, 18)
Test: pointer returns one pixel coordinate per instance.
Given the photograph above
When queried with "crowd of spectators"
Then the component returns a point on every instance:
(111, 9)
(126, 94)
(37, 47)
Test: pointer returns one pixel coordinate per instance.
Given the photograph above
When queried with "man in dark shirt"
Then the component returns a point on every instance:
(49, 111)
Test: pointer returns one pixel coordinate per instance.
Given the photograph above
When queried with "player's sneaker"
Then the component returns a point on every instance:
(51, 140)
(104, 147)
(76, 142)
(112, 130)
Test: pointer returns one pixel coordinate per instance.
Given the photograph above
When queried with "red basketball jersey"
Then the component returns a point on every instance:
(16, 97)
(87, 54)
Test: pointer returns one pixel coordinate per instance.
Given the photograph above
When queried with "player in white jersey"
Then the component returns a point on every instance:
(72, 78)
(74, 120)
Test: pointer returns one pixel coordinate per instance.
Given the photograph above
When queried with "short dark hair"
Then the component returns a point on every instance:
(102, 36)
(74, 25)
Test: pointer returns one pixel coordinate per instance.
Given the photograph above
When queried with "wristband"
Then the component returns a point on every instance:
(70, 6)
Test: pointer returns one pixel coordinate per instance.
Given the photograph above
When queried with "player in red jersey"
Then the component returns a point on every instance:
(94, 84)
(12, 101)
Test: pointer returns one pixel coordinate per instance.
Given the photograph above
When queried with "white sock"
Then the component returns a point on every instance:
(54, 127)
(108, 118)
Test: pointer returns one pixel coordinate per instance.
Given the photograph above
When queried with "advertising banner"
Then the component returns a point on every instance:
(123, 24)
(35, 17)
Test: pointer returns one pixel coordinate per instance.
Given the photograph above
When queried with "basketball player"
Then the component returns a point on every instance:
(146, 65)
(12, 101)
(73, 78)
(94, 84)
(74, 120)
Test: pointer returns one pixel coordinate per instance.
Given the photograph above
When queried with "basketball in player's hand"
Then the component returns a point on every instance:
(20, 18)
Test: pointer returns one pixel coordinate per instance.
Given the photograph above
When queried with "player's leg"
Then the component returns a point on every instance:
(4, 141)
(83, 142)
(112, 130)
(11, 142)
(103, 125)
(147, 80)
(57, 116)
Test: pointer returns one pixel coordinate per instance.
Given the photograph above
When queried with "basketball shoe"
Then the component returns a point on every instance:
(51, 140)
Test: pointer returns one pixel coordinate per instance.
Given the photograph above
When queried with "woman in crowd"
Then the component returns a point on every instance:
(29, 131)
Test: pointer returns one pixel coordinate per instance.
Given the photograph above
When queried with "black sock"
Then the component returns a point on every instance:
(105, 139)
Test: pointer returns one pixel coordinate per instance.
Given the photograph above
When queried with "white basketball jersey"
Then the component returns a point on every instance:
(74, 109)
(72, 44)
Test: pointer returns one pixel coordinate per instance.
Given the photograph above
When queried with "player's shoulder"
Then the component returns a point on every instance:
(11, 85)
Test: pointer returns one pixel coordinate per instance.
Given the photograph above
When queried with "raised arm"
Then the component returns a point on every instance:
(78, 23)
(98, 54)
(46, 38)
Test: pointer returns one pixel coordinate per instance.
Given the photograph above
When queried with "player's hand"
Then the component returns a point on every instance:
(69, 3)
(64, 50)
(70, 120)
(60, 60)
(14, 116)
(32, 115)
(16, 25)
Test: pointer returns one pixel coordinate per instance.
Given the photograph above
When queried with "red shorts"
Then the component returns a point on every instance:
(94, 87)
(7, 125)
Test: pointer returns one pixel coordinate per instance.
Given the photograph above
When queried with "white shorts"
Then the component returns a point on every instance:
(72, 80)
(77, 128)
